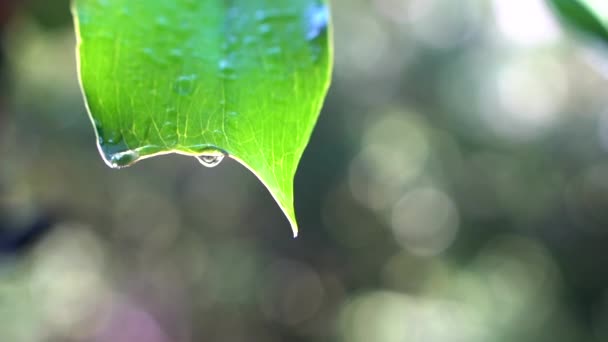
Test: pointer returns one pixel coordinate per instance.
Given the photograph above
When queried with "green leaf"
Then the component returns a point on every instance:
(589, 17)
(243, 78)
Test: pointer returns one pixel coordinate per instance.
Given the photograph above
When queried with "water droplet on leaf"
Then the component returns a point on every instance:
(318, 16)
(168, 130)
(227, 70)
(274, 15)
(210, 160)
(123, 159)
(162, 21)
(265, 29)
(260, 15)
(176, 53)
(185, 84)
(274, 51)
(224, 64)
(249, 40)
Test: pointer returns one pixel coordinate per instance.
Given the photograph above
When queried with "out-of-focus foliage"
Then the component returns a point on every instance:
(588, 16)
(455, 189)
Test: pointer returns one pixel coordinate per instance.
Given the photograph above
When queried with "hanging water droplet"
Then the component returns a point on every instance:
(209, 156)
(210, 160)
(123, 159)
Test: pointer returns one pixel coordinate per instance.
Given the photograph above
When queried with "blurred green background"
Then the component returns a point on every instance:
(455, 189)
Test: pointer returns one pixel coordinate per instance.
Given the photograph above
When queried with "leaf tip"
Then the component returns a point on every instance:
(294, 229)
(284, 201)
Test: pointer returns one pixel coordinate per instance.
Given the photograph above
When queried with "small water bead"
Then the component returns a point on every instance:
(169, 125)
(152, 56)
(224, 64)
(97, 124)
(232, 40)
(265, 29)
(162, 21)
(260, 15)
(182, 31)
(226, 69)
(168, 129)
(274, 14)
(191, 77)
(318, 17)
(249, 40)
(114, 138)
(274, 51)
(125, 12)
(185, 84)
(122, 159)
(210, 160)
(176, 53)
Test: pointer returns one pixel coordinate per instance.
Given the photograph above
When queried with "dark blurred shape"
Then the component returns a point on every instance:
(51, 15)
(15, 241)
(7, 8)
